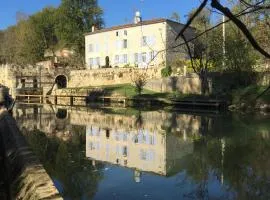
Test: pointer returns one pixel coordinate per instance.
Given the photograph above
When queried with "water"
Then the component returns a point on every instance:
(131, 154)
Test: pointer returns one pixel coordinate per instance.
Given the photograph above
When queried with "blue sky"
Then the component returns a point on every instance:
(115, 11)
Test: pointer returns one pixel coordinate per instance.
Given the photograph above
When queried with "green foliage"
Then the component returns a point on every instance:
(239, 55)
(177, 66)
(50, 30)
(166, 72)
(140, 81)
(249, 94)
(74, 19)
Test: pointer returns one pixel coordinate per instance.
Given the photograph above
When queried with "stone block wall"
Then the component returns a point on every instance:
(184, 84)
(108, 76)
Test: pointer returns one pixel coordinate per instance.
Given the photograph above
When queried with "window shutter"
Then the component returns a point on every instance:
(153, 40)
(120, 59)
(139, 58)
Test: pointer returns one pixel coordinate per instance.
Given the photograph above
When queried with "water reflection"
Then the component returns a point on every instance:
(119, 140)
(186, 156)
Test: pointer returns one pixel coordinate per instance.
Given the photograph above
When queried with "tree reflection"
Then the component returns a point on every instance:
(243, 166)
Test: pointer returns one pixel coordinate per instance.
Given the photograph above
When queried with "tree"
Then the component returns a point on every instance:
(204, 50)
(8, 46)
(175, 17)
(29, 45)
(74, 19)
(139, 80)
(50, 30)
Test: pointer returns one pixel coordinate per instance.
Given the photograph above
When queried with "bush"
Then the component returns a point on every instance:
(167, 71)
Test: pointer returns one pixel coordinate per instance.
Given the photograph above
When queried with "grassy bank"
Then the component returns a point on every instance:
(249, 95)
(129, 91)
(247, 99)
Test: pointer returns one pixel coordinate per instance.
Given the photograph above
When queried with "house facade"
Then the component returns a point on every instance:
(142, 44)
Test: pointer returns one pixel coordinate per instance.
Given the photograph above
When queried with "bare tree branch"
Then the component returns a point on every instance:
(215, 4)
(189, 52)
(203, 4)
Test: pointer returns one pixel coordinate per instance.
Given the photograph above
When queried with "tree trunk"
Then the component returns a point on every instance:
(204, 82)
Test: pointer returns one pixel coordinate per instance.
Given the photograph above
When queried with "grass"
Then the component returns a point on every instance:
(129, 91)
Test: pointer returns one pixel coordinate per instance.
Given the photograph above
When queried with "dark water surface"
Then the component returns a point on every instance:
(132, 154)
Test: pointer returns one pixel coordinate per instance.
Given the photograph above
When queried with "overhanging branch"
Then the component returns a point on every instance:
(203, 4)
(215, 4)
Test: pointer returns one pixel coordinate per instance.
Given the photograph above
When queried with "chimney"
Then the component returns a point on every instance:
(137, 18)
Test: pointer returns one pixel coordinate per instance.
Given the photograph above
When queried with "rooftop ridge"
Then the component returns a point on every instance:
(145, 22)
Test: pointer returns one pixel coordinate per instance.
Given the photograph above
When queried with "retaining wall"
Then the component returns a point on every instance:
(189, 84)
(108, 76)
(27, 177)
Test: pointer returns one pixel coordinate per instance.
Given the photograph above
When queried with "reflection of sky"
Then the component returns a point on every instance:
(119, 184)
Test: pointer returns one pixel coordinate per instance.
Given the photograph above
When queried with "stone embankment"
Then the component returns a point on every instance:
(25, 177)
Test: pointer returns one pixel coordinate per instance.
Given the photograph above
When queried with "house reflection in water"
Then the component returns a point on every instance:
(148, 148)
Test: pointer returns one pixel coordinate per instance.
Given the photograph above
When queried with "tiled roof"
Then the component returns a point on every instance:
(146, 22)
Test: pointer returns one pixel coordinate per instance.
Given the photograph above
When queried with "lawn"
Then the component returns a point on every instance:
(129, 91)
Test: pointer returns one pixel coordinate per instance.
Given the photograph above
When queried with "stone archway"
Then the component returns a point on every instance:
(61, 114)
(61, 81)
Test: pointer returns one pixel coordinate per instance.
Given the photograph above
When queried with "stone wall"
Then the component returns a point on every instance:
(26, 176)
(264, 79)
(108, 76)
(190, 84)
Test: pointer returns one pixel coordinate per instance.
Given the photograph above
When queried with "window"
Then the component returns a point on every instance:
(148, 40)
(97, 61)
(144, 57)
(90, 48)
(23, 83)
(125, 32)
(124, 151)
(91, 62)
(116, 59)
(143, 154)
(125, 59)
(117, 34)
(151, 40)
(136, 58)
(107, 133)
(144, 41)
(124, 44)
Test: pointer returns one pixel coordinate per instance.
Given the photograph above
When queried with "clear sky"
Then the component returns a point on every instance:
(115, 11)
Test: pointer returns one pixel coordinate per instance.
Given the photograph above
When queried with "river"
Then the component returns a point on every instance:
(112, 153)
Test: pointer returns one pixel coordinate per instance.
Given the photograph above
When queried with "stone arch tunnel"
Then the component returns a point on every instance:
(61, 81)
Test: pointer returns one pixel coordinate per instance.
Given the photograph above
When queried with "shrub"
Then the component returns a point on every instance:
(139, 80)
(167, 71)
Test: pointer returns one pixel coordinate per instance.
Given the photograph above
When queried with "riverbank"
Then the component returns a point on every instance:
(127, 94)
(249, 99)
